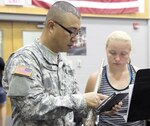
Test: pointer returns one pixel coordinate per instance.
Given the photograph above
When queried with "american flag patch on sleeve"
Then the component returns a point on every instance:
(23, 70)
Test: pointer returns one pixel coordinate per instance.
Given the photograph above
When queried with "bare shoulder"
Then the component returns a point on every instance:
(91, 82)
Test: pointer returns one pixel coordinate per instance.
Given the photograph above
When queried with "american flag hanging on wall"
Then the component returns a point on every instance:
(97, 6)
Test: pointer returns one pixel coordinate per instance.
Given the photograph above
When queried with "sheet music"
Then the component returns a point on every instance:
(129, 100)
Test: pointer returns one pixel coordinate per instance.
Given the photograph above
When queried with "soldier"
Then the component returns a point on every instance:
(39, 81)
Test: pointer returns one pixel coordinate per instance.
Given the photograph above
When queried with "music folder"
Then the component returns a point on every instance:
(110, 102)
(139, 103)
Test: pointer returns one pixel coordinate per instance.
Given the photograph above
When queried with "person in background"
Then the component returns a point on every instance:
(38, 78)
(116, 77)
(2, 96)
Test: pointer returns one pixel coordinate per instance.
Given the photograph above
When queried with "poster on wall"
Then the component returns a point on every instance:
(79, 47)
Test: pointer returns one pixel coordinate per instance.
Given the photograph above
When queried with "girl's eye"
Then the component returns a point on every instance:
(112, 53)
(124, 53)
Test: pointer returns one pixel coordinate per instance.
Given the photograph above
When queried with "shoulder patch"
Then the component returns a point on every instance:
(23, 70)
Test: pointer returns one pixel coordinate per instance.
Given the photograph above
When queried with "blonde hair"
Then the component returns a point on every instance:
(119, 36)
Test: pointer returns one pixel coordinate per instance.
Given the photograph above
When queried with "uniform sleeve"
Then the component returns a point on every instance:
(30, 97)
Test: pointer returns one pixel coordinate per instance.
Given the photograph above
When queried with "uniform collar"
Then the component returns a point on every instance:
(48, 54)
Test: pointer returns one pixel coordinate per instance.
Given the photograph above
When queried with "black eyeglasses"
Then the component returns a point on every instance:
(72, 33)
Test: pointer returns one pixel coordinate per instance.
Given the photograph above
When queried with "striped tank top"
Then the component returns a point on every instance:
(117, 119)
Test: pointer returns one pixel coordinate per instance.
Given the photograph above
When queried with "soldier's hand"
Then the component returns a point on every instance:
(94, 99)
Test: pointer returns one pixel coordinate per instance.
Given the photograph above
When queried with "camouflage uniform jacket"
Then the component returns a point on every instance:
(42, 88)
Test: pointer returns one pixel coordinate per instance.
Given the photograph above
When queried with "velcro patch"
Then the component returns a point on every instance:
(23, 70)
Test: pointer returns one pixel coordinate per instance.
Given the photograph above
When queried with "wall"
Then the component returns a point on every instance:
(97, 31)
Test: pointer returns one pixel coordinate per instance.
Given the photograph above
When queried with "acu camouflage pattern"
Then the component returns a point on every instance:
(47, 97)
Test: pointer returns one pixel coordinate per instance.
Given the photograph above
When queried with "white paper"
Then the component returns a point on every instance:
(129, 100)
